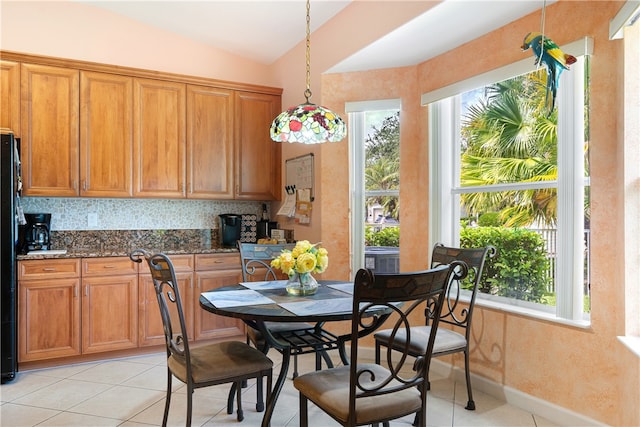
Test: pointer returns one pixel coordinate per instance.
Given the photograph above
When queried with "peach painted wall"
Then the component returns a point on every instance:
(68, 29)
(587, 371)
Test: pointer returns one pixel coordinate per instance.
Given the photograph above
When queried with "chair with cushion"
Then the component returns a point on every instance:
(367, 393)
(202, 366)
(455, 312)
(303, 337)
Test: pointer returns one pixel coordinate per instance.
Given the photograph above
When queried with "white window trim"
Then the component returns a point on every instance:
(357, 135)
(445, 204)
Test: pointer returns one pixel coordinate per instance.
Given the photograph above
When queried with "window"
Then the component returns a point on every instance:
(374, 136)
(506, 172)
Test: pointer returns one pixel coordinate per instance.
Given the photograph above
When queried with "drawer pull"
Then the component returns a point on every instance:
(218, 261)
(49, 269)
(109, 266)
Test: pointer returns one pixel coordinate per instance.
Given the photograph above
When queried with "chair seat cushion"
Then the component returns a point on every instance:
(222, 362)
(446, 340)
(329, 389)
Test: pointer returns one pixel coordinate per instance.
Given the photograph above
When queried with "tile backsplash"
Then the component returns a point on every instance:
(135, 214)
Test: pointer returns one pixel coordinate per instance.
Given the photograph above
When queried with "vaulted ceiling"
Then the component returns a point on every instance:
(264, 30)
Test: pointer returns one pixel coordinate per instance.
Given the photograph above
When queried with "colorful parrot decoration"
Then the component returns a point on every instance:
(555, 61)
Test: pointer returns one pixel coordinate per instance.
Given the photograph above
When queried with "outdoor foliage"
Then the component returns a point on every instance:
(388, 236)
(519, 269)
(382, 163)
(508, 137)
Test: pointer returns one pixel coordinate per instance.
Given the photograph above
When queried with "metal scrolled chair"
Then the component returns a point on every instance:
(448, 340)
(367, 393)
(301, 336)
(202, 366)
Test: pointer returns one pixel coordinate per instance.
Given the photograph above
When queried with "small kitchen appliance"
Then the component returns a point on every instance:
(230, 225)
(36, 232)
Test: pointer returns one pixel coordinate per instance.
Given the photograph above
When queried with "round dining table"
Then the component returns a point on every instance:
(259, 302)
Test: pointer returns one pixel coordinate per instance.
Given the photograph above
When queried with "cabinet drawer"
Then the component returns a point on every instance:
(49, 269)
(181, 264)
(108, 266)
(205, 262)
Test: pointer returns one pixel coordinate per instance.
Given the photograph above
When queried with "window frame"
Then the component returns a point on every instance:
(357, 135)
(444, 194)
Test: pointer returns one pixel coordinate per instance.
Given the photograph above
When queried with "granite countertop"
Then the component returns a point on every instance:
(114, 252)
(113, 243)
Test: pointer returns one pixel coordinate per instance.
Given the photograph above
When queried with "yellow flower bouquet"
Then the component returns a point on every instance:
(305, 258)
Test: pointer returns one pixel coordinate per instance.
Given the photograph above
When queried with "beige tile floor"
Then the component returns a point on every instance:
(130, 392)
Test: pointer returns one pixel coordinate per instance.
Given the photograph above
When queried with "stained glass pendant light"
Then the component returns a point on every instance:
(308, 123)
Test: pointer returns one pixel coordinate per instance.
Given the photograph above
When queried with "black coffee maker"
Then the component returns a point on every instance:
(36, 232)
(230, 229)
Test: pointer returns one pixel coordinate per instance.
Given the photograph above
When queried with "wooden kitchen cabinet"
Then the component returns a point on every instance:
(151, 330)
(210, 117)
(109, 304)
(106, 135)
(49, 130)
(159, 139)
(48, 309)
(258, 157)
(215, 271)
(10, 99)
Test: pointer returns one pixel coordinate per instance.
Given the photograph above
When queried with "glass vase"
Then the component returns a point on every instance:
(302, 284)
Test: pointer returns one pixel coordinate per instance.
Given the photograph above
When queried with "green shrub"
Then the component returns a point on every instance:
(490, 219)
(387, 236)
(519, 269)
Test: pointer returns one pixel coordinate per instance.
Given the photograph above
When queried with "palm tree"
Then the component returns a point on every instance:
(507, 137)
(383, 174)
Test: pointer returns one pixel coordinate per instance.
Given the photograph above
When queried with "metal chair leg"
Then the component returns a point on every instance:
(304, 416)
(260, 397)
(238, 397)
(167, 400)
(232, 394)
(471, 405)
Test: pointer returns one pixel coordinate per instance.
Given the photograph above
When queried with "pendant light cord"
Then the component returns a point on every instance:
(542, 21)
(307, 92)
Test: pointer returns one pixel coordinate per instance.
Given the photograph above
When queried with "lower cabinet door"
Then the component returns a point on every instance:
(151, 329)
(49, 313)
(109, 313)
(209, 325)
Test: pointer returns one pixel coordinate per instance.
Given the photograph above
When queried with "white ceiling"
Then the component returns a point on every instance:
(264, 30)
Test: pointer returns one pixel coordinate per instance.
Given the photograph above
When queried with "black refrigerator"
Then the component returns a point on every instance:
(10, 216)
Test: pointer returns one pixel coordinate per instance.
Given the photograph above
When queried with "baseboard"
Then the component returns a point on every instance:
(517, 398)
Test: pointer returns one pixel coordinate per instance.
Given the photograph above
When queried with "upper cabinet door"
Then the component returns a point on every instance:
(209, 143)
(106, 137)
(49, 130)
(10, 100)
(159, 139)
(257, 156)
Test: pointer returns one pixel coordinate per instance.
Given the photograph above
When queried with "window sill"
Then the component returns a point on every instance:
(530, 312)
(632, 343)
